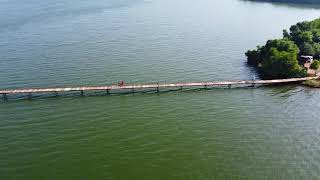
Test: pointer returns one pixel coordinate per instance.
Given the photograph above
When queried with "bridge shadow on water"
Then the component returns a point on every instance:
(37, 96)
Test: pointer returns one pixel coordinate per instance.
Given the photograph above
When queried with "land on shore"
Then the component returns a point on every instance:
(297, 54)
(312, 83)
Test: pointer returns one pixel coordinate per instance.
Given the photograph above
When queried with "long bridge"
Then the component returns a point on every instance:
(156, 86)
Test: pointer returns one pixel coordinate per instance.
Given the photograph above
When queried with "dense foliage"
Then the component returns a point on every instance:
(279, 58)
(315, 65)
(307, 36)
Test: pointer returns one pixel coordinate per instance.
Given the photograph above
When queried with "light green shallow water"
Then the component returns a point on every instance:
(242, 133)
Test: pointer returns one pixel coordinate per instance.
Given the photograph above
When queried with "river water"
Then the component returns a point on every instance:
(241, 133)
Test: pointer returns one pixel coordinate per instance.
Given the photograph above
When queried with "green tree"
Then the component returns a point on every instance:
(307, 49)
(253, 57)
(316, 47)
(286, 34)
(302, 37)
(316, 36)
(278, 58)
(315, 65)
(282, 64)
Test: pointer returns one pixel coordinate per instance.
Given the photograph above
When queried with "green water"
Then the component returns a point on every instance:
(241, 133)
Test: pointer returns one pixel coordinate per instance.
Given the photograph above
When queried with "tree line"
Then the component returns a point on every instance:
(278, 58)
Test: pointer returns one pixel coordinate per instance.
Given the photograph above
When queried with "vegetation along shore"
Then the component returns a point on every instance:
(297, 54)
(312, 83)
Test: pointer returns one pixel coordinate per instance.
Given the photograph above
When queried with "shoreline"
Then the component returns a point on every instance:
(315, 83)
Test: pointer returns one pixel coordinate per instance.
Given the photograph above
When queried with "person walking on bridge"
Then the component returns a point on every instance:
(121, 83)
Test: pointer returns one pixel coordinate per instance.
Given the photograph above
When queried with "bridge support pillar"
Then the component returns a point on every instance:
(229, 86)
(205, 87)
(30, 96)
(5, 98)
(180, 88)
(108, 91)
(158, 91)
(82, 94)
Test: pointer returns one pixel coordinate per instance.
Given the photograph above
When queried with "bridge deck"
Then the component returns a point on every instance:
(145, 86)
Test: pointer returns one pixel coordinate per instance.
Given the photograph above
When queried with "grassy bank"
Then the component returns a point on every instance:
(312, 83)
